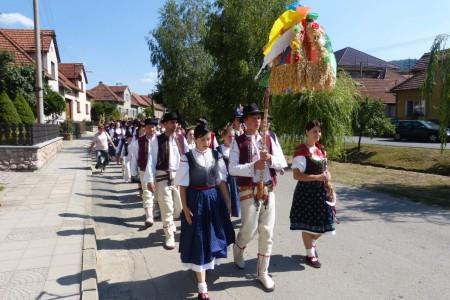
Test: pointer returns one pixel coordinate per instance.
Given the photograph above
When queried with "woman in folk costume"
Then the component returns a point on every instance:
(250, 164)
(312, 211)
(214, 144)
(127, 157)
(228, 136)
(118, 138)
(190, 138)
(206, 228)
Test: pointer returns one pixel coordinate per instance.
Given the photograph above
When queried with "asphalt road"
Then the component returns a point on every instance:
(392, 142)
(385, 248)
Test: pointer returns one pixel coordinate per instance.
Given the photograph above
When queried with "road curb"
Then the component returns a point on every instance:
(89, 289)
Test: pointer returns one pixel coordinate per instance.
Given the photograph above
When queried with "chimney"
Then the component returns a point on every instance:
(100, 82)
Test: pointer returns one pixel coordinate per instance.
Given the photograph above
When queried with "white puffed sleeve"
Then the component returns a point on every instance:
(182, 176)
(299, 163)
(222, 171)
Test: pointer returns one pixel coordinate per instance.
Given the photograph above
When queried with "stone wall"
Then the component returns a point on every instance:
(28, 158)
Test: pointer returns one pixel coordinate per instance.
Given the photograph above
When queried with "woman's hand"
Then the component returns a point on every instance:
(188, 215)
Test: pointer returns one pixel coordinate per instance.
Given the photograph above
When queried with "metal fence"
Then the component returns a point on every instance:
(27, 135)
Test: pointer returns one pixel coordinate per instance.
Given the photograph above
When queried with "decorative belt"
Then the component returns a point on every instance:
(164, 177)
(253, 193)
(203, 188)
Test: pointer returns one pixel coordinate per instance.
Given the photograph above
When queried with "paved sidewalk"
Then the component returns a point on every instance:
(40, 243)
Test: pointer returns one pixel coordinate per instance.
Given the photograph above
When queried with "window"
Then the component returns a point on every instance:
(53, 70)
(87, 108)
(82, 85)
(409, 108)
(78, 107)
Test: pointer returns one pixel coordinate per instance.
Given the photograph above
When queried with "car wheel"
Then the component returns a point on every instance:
(397, 137)
(433, 138)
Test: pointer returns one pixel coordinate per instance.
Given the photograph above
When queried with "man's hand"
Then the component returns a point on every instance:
(151, 187)
(259, 165)
(265, 156)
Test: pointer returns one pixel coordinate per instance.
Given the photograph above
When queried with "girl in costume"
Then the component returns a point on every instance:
(126, 156)
(310, 212)
(228, 136)
(206, 228)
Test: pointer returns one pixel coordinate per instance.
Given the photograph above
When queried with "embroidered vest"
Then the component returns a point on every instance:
(245, 152)
(143, 152)
(200, 176)
(162, 162)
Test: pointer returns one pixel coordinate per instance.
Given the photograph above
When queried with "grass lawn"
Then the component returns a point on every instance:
(400, 158)
(419, 187)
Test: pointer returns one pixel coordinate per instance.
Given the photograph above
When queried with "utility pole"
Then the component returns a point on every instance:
(38, 89)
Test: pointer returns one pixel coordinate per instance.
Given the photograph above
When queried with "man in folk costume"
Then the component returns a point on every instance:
(249, 163)
(143, 159)
(160, 173)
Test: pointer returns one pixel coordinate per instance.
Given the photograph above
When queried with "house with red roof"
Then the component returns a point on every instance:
(374, 77)
(411, 103)
(68, 79)
(117, 95)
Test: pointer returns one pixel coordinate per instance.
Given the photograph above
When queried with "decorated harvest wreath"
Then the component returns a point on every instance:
(299, 53)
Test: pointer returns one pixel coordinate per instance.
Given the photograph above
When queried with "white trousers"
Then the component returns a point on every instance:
(168, 197)
(257, 220)
(147, 196)
(126, 164)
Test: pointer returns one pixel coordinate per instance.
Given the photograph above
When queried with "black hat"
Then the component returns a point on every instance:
(202, 121)
(152, 121)
(169, 116)
(237, 112)
(251, 109)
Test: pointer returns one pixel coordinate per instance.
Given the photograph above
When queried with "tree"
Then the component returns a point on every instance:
(17, 79)
(24, 110)
(8, 112)
(148, 112)
(332, 108)
(238, 31)
(177, 50)
(369, 120)
(54, 104)
(99, 108)
(437, 82)
(140, 116)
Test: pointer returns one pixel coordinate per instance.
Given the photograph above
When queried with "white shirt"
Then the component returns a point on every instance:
(101, 141)
(225, 150)
(247, 169)
(174, 158)
(204, 159)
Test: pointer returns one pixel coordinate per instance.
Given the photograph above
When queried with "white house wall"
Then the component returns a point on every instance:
(47, 59)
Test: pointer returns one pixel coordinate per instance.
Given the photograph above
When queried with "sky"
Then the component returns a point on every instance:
(108, 36)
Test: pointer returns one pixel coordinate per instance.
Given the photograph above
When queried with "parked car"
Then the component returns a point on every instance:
(418, 130)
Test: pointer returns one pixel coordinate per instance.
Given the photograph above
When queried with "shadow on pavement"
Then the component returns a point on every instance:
(388, 208)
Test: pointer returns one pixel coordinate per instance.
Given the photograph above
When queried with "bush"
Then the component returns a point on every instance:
(67, 126)
(8, 112)
(24, 110)
(54, 104)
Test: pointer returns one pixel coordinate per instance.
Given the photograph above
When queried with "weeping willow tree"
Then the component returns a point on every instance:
(333, 109)
(437, 82)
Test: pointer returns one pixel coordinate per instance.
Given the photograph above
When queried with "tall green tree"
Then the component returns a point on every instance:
(54, 104)
(17, 79)
(24, 110)
(8, 112)
(369, 120)
(239, 29)
(437, 82)
(177, 50)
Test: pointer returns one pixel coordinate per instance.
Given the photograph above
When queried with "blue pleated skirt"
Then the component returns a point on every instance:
(210, 233)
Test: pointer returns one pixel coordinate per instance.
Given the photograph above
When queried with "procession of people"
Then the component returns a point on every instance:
(184, 173)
